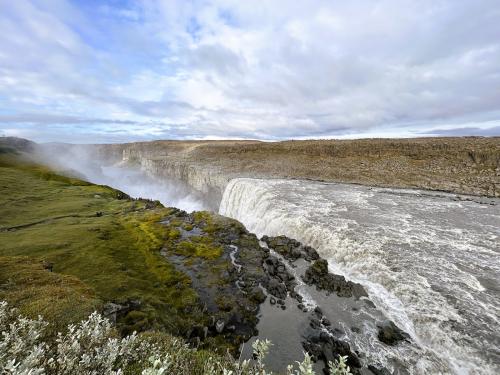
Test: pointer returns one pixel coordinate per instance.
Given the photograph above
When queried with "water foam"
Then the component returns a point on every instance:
(420, 256)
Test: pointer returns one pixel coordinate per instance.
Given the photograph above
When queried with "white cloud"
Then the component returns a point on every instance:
(234, 69)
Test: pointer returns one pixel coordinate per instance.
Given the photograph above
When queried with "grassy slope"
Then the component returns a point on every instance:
(113, 257)
(25, 283)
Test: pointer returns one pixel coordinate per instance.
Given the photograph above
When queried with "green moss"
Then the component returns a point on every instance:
(223, 303)
(207, 221)
(135, 321)
(176, 222)
(202, 216)
(202, 250)
(174, 234)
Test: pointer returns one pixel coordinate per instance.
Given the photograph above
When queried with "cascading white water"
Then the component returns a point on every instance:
(429, 262)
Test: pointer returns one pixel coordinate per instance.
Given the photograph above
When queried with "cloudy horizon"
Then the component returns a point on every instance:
(115, 71)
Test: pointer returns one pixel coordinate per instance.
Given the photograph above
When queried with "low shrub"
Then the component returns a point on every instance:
(93, 347)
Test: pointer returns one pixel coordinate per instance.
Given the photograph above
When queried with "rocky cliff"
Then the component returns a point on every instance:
(468, 165)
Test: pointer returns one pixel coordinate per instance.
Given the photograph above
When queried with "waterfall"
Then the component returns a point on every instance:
(429, 261)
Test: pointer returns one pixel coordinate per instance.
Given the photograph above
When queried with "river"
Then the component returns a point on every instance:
(430, 261)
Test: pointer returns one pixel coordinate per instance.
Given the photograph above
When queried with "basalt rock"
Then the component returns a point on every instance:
(290, 249)
(277, 289)
(219, 326)
(378, 370)
(113, 311)
(258, 295)
(198, 331)
(391, 334)
(317, 274)
(325, 347)
(231, 283)
(278, 272)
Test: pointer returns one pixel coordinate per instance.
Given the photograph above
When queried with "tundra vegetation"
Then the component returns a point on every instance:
(72, 251)
(93, 346)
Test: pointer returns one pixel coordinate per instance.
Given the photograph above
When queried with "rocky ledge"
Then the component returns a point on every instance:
(324, 341)
(233, 273)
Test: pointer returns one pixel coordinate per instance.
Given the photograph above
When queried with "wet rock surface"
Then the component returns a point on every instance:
(323, 345)
(321, 334)
(235, 275)
(390, 334)
(290, 249)
(225, 265)
(317, 274)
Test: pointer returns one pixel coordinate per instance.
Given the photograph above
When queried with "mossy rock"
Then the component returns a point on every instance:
(202, 250)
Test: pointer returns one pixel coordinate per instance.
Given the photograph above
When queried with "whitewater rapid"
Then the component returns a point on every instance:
(431, 262)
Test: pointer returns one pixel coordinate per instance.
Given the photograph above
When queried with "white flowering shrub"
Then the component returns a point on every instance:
(92, 347)
(21, 348)
(158, 366)
(260, 351)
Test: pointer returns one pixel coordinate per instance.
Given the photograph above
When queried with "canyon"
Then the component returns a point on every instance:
(408, 231)
(457, 165)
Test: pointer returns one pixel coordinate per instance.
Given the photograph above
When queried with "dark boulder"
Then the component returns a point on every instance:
(114, 311)
(289, 248)
(317, 274)
(257, 295)
(277, 289)
(310, 254)
(111, 310)
(219, 326)
(49, 266)
(315, 323)
(391, 334)
(198, 331)
(378, 370)
(194, 342)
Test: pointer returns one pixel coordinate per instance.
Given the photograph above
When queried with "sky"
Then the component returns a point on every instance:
(88, 71)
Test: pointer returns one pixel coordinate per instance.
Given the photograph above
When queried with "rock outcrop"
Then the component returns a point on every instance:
(317, 274)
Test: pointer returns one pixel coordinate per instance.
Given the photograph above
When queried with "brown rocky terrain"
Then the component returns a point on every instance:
(468, 165)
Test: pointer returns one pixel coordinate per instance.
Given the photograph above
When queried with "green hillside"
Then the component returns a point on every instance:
(102, 247)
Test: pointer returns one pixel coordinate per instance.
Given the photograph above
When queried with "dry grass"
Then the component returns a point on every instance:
(25, 283)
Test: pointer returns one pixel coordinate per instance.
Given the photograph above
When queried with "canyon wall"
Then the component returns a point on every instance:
(469, 165)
